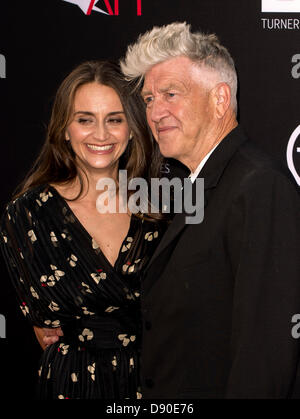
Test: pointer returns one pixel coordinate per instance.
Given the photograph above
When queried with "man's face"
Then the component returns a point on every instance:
(178, 107)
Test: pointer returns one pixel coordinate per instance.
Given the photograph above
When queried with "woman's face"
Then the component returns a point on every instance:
(98, 129)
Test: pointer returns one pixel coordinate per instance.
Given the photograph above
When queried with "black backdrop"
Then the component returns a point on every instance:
(41, 41)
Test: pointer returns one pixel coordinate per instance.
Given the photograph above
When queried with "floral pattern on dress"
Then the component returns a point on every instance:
(70, 284)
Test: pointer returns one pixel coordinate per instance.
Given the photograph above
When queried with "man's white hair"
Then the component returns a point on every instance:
(174, 40)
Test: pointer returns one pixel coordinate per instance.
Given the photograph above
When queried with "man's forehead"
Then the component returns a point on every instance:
(175, 72)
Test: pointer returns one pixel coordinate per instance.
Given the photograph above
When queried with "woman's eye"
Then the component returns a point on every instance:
(115, 120)
(84, 121)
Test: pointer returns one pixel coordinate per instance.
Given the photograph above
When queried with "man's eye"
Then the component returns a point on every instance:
(171, 94)
(148, 100)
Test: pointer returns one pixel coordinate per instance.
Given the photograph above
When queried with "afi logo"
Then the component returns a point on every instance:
(293, 154)
(113, 10)
(281, 6)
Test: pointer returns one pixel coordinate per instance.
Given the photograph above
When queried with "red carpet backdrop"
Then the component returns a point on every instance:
(41, 41)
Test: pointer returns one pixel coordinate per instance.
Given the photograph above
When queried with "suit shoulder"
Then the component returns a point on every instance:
(260, 168)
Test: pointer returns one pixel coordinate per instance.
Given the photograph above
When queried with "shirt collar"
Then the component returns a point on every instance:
(194, 175)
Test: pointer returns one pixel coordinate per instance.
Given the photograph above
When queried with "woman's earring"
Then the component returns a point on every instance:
(131, 136)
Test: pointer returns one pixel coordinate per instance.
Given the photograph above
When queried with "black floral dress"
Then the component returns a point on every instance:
(63, 280)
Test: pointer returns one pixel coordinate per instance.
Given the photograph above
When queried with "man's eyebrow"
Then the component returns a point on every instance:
(164, 89)
(169, 87)
(145, 93)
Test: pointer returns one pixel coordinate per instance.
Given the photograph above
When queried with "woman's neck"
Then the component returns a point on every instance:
(90, 179)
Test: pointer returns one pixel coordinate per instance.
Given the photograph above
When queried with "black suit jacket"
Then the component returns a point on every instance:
(218, 297)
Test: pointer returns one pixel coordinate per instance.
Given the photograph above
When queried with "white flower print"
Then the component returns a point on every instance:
(53, 239)
(55, 323)
(53, 306)
(44, 196)
(111, 308)
(32, 236)
(129, 295)
(40, 371)
(52, 279)
(62, 397)
(95, 245)
(74, 377)
(87, 334)
(131, 364)
(91, 369)
(125, 340)
(126, 266)
(63, 349)
(39, 202)
(49, 372)
(72, 260)
(47, 281)
(130, 267)
(4, 239)
(86, 312)
(33, 292)
(97, 277)
(150, 235)
(65, 235)
(126, 246)
(25, 309)
(114, 363)
(87, 288)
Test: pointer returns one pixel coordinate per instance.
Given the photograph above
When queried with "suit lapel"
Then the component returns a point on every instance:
(176, 226)
(211, 173)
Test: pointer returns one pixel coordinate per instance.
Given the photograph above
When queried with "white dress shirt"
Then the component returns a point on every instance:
(193, 175)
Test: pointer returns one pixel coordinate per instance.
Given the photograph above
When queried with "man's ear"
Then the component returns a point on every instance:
(222, 99)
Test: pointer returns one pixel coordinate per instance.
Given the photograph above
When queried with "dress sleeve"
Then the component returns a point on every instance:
(25, 255)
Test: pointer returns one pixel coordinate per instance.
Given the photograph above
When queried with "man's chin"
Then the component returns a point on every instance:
(166, 151)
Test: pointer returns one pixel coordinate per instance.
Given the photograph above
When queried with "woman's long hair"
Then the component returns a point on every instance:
(56, 162)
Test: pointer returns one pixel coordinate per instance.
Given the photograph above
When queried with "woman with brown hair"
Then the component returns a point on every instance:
(74, 267)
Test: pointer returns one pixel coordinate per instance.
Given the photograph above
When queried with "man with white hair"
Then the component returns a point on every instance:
(218, 297)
